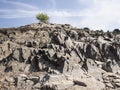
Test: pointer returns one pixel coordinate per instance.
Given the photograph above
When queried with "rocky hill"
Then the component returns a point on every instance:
(49, 56)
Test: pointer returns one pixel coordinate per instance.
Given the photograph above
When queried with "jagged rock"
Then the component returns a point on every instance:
(34, 79)
(80, 83)
(29, 83)
(29, 44)
(10, 79)
(73, 34)
(37, 86)
(8, 69)
(111, 66)
(20, 81)
(58, 38)
(58, 82)
(34, 64)
(18, 55)
(111, 80)
(68, 43)
(47, 56)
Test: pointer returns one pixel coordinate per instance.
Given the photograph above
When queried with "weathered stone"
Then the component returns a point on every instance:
(111, 66)
(10, 79)
(80, 83)
(117, 84)
(34, 64)
(109, 85)
(29, 83)
(18, 55)
(47, 56)
(34, 79)
(37, 86)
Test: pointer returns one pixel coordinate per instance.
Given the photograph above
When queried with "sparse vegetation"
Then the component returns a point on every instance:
(42, 17)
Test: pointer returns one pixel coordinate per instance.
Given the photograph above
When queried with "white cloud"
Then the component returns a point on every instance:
(19, 10)
(19, 4)
(99, 14)
(103, 14)
(17, 13)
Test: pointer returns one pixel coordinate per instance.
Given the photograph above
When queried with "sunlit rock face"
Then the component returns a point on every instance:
(49, 56)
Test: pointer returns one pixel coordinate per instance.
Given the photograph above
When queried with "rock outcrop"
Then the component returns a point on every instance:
(59, 57)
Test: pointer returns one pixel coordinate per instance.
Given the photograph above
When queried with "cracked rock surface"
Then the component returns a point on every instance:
(47, 56)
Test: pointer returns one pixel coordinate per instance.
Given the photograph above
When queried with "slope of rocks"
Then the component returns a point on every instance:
(48, 56)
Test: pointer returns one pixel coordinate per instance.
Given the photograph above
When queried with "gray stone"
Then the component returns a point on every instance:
(18, 55)
(48, 56)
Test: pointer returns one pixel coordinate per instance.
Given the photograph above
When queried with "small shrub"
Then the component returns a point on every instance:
(42, 17)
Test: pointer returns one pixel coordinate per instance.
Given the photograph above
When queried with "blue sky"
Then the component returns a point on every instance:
(95, 14)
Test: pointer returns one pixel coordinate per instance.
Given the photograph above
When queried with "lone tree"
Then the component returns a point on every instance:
(42, 17)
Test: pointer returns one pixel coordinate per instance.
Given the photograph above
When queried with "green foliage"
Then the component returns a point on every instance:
(42, 17)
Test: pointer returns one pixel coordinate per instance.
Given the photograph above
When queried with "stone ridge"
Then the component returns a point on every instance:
(47, 56)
